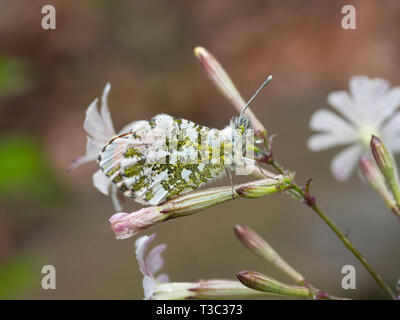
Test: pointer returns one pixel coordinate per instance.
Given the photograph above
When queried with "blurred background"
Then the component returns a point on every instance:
(144, 49)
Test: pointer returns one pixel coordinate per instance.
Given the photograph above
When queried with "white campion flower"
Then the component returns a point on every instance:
(159, 288)
(150, 264)
(100, 130)
(371, 108)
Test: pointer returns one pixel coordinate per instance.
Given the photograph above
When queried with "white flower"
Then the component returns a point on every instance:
(371, 108)
(150, 264)
(100, 130)
(159, 287)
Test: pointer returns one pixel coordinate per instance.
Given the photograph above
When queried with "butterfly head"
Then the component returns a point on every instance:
(241, 123)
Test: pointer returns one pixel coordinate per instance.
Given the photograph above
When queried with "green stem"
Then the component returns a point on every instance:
(394, 185)
(319, 294)
(313, 205)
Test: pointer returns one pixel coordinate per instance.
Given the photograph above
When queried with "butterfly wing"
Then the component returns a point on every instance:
(146, 163)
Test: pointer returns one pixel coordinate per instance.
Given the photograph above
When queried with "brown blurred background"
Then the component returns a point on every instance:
(145, 49)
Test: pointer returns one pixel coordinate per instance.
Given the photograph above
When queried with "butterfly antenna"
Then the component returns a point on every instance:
(268, 80)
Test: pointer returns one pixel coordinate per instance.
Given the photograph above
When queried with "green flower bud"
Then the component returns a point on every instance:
(386, 165)
(264, 283)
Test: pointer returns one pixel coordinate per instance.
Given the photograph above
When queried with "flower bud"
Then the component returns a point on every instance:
(386, 164)
(372, 174)
(225, 85)
(259, 188)
(196, 201)
(264, 283)
(261, 248)
(127, 225)
(377, 181)
(255, 192)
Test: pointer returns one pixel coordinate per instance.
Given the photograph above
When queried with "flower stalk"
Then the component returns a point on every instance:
(311, 202)
(127, 225)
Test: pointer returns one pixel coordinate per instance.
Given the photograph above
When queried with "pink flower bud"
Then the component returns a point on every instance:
(225, 85)
(126, 225)
(261, 248)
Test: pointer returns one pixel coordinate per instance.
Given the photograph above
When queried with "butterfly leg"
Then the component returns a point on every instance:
(230, 178)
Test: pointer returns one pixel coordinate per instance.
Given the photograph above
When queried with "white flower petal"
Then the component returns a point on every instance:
(136, 126)
(79, 161)
(93, 123)
(364, 89)
(163, 278)
(96, 126)
(343, 163)
(392, 127)
(325, 120)
(370, 104)
(141, 245)
(367, 94)
(393, 143)
(101, 182)
(149, 286)
(99, 128)
(358, 86)
(154, 261)
(324, 141)
(93, 147)
(127, 128)
(342, 103)
(387, 105)
(105, 112)
(114, 198)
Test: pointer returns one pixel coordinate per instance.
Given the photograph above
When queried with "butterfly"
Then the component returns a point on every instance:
(165, 156)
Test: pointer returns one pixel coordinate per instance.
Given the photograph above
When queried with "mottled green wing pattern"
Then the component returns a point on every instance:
(147, 165)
